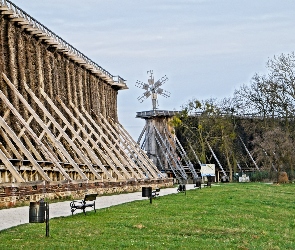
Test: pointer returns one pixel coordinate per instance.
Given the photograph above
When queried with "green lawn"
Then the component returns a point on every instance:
(226, 216)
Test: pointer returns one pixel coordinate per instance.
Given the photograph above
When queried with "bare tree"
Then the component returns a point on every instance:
(274, 150)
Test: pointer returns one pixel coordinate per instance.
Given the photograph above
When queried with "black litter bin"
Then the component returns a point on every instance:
(37, 212)
(146, 191)
(198, 184)
(181, 188)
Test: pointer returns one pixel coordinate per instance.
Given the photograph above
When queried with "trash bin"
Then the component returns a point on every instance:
(181, 188)
(37, 212)
(146, 191)
(198, 184)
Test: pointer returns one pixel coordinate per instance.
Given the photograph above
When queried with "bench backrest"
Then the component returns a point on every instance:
(90, 197)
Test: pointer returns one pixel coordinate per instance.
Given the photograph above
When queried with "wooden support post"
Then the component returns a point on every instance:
(95, 147)
(108, 151)
(16, 140)
(24, 129)
(126, 136)
(31, 147)
(10, 144)
(81, 141)
(11, 168)
(5, 151)
(42, 147)
(132, 147)
(104, 135)
(57, 144)
(64, 135)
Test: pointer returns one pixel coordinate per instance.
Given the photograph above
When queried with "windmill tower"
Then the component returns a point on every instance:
(157, 137)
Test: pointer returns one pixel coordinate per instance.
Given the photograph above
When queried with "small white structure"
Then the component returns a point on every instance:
(208, 170)
(244, 178)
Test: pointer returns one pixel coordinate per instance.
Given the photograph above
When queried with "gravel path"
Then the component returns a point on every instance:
(20, 215)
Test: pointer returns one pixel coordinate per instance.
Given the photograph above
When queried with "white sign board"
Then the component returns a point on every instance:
(208, 170)
(244, 178)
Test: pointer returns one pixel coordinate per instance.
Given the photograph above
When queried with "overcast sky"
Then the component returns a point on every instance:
(206, 48)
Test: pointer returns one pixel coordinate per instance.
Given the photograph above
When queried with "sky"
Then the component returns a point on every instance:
(206, 48)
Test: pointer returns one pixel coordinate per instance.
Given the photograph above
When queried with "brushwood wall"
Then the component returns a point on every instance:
(24, 58)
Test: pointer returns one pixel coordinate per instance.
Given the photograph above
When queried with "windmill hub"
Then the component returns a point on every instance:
(152, 89)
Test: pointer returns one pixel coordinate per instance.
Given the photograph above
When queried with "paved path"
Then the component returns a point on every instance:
(20, 215)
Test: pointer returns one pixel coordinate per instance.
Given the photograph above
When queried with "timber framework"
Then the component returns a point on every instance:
(58, 112)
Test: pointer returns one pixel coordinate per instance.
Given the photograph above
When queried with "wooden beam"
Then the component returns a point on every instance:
(6, 114)
(23, 129)
(63, 133)
(16, 140)
(114, 139)
(131, 165)
(11, 168)
(5, 151)
(31, 147)
(128, 144)
(43, 132)
(56, 143)
(42, 147)
(9, 143)
(83, 131)
(109, 154)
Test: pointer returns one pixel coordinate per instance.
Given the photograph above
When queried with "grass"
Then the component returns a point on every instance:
(228, 216)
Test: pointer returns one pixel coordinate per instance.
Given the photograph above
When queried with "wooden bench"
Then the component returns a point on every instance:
(156, 192)
(88, 201)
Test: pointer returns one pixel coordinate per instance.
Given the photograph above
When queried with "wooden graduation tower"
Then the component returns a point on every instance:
(58, 114)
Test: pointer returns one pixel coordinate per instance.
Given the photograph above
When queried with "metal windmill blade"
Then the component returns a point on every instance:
(160, 81)
(152, 89)
(147, 94)
(164, 93)
(142, 85)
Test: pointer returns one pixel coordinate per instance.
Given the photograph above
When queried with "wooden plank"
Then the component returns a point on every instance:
(59, 157)
(9, 143)
(131, 166)
(24, 129)
(31, 147)
(64, 135)
(43, 132)
(6, 114)
(136, 148)
(61, 134)
(112, 134)
(5, 151)
(81, 141)
(56, 143)
(85, 145)
(34, 136)
(116, 137)
(108, 154)
(11, 168)
(141, 134)
(16, 140)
